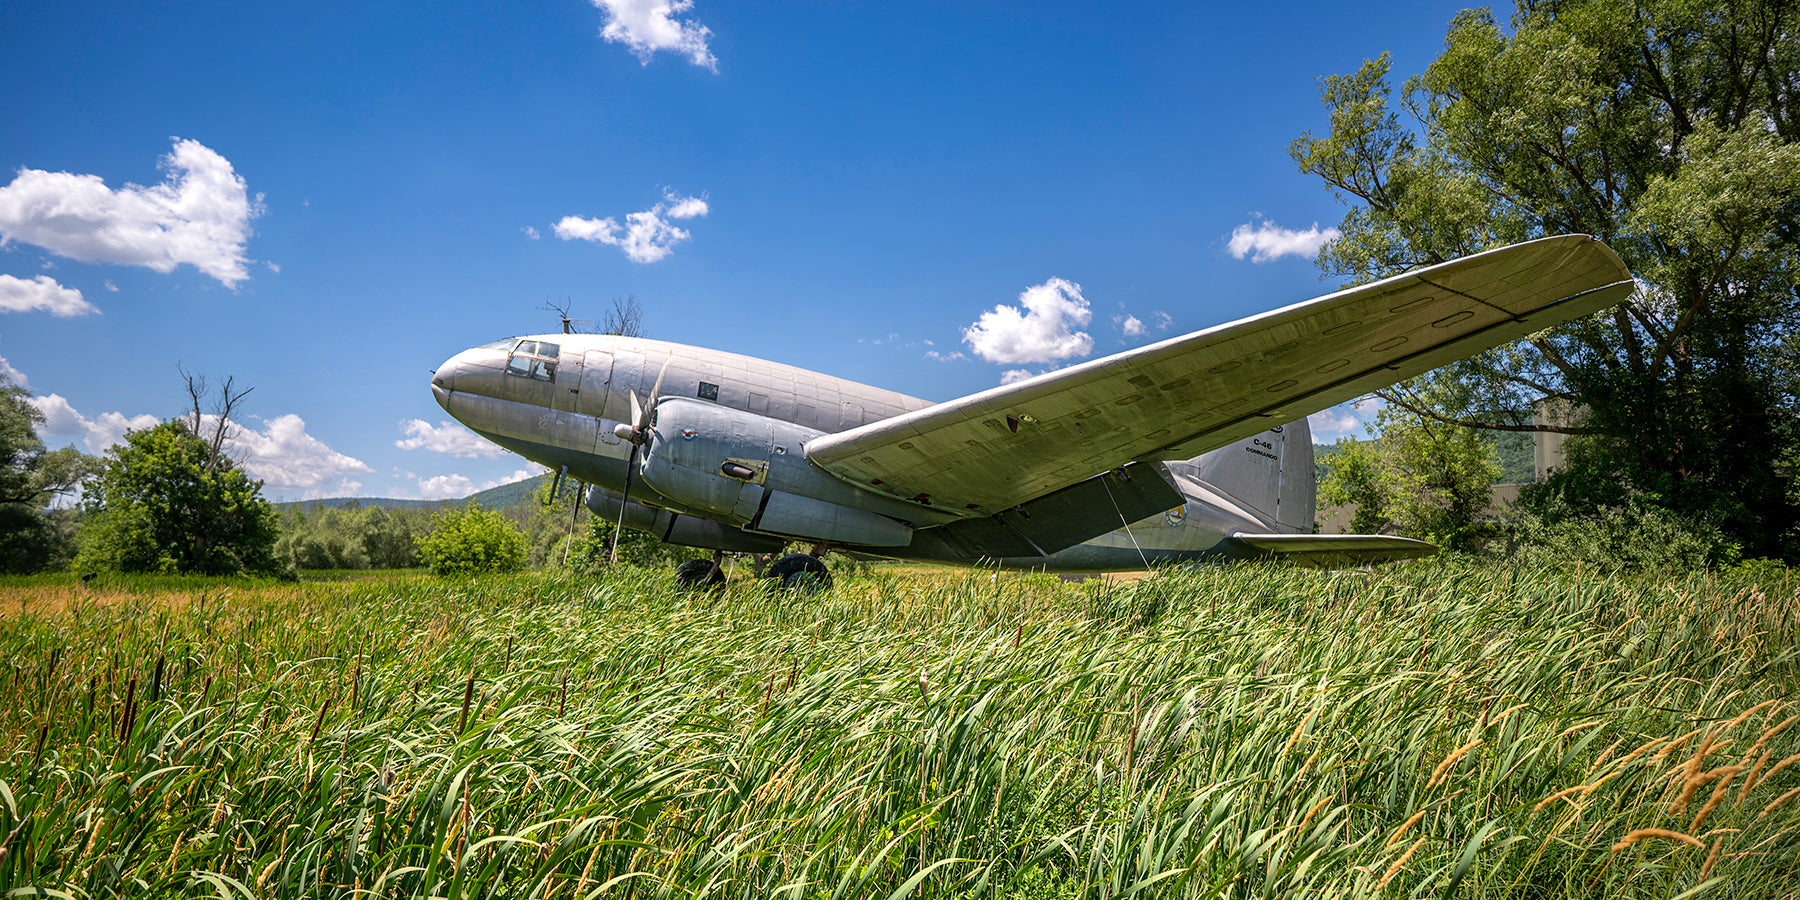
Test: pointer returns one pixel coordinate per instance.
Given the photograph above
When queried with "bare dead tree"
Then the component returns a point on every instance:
(220, 407)
(626, 318)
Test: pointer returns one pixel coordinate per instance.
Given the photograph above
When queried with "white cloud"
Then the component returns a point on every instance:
(517, 475)
(288, 461)
(10, 374)
(952, 356)
(42, 293)
(1043, 332)
(98, 433)
(532, 233)
(200, 215)
(1014, 376)
(686, 207)
(274, 267)
(646, 236)
(446, 487)
(456, 487)
(1162, 320)
(1343, 420)
(1131, 326)
(1266, 241)
(447, 437)
(647, 26)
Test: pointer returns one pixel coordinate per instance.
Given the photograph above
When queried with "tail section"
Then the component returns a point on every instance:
(1268, 474)
(1272, 474)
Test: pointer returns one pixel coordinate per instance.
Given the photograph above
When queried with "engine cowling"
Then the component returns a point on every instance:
(748, 470)
(676, 528)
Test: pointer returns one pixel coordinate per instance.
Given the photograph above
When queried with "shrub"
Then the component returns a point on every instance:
(473, 541)
(1633, 536)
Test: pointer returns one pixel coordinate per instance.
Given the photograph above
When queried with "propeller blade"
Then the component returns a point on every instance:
(637, 417)
(656, 392)
(624, 499)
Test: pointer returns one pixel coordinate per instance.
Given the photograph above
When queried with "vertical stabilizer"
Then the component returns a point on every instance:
(1269, 474)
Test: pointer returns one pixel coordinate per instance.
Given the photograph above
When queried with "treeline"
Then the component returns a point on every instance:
(538, 532)
(352, 537)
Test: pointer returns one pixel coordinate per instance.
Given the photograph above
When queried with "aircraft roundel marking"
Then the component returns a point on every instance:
(1176, 516)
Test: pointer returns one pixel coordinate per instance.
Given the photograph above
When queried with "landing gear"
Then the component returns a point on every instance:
(799, 572)
(699, 575)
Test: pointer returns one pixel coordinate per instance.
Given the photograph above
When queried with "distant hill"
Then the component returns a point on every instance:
(493, 498)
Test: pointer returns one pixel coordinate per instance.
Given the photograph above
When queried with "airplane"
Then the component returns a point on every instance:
(1191, 448)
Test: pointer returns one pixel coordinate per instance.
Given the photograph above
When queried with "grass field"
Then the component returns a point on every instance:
(1422, 731)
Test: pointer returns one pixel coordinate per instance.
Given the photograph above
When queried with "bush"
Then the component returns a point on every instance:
(592, 549)
(473, 541)
(1632, 536)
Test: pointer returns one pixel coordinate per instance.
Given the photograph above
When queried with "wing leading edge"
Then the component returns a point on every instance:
(996, 449)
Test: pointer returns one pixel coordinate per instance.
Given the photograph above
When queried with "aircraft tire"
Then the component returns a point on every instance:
(699, 575)
(800, 573)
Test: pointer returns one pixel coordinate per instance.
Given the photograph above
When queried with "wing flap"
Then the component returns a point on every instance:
(1080, 512)
(999, 448)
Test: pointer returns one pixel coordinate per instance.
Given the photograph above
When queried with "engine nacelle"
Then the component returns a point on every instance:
(748, 470)
(675, 528)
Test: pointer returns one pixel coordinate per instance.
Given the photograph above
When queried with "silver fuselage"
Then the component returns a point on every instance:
(561, 407)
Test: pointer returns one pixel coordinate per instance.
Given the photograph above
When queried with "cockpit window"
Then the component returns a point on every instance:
(534, 359)
(506, 344)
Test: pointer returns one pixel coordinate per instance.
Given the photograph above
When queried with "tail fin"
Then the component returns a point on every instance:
(1271, 474)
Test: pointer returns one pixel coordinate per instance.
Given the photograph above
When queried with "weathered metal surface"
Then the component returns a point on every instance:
(898, 469)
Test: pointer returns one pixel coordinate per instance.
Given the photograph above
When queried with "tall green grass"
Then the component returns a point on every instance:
(1423, 731)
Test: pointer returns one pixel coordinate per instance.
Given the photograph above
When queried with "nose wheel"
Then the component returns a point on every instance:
(800, 573)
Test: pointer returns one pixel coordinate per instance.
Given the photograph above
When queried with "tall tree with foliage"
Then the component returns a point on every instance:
(165, 502)
(170, 499)
(1425, 478)
(1668, 129)
(31, 475)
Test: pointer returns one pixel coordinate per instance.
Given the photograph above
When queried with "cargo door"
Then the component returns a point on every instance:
(567, 397)
(596, 385)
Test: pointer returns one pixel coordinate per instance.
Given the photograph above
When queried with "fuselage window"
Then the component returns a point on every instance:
(534, 359)
(708, 391)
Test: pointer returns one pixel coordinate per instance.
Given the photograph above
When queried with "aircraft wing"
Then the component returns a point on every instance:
(1176, 399)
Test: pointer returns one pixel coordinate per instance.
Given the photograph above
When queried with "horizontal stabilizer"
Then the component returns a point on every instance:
(1333, 549)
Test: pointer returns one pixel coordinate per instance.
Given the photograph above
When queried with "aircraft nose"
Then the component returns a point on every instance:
(444, 378)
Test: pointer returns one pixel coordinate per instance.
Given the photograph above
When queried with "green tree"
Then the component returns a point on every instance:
(30, 477)
(1667, 128)
(1422, 477)
(167, 500)
(351, 537)
(552, 524)
(473, 541)
(390, 537)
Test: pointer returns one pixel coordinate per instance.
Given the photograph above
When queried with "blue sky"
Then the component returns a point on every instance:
(326, 200)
